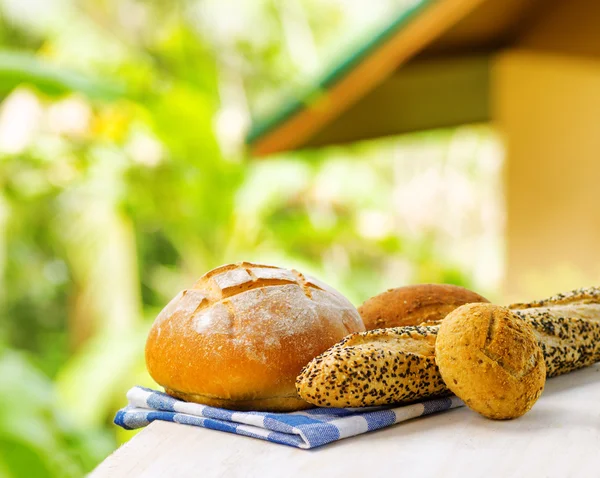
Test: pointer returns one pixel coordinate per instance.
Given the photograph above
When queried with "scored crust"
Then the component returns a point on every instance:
(241, 334)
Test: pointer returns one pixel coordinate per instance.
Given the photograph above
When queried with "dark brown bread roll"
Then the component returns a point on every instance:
(422, 304)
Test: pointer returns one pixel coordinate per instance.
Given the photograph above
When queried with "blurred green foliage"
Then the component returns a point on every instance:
(123, 179)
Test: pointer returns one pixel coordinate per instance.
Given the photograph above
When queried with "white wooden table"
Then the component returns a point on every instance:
(560, 437)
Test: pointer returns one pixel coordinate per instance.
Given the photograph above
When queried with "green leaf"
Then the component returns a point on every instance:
(97, 377)
(31, 441)
(22, 460)
(24, 68)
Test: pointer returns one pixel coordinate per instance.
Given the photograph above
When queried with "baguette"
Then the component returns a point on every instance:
(567, 327)
(376, 367)
(397, 364)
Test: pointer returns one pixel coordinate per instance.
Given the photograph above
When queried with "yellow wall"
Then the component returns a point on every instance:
(547, 107)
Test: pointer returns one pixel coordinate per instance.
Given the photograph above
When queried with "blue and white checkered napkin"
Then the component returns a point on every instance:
(306, 429)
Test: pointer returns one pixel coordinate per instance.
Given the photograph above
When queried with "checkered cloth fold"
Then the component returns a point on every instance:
(306, 429)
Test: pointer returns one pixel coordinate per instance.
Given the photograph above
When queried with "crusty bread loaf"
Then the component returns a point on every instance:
(422, 304)
(491, 360)
(567, 327)
(239, 337)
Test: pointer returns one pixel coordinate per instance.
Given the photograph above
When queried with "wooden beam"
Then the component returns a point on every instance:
(569, 27)
(375, 68)
(422, 95)
(493, 25)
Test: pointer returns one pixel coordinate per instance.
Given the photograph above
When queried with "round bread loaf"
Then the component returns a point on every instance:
(239, 337)
(422, 304)
(490, 359)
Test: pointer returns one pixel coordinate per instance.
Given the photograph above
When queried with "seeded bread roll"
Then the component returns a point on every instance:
(239, 337)
(567, 327)
(491, 360)
(422, 304)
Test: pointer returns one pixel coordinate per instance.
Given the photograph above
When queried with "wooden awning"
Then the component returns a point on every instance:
(428, 68)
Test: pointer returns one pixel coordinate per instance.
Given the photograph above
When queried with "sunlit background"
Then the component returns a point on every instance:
(124, 178)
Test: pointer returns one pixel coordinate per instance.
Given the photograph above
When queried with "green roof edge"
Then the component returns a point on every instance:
(292, 105)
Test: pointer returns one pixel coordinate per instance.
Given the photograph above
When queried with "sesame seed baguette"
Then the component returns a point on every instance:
(585, 295)
(567, 327)
(397, 364)
(377, 367)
